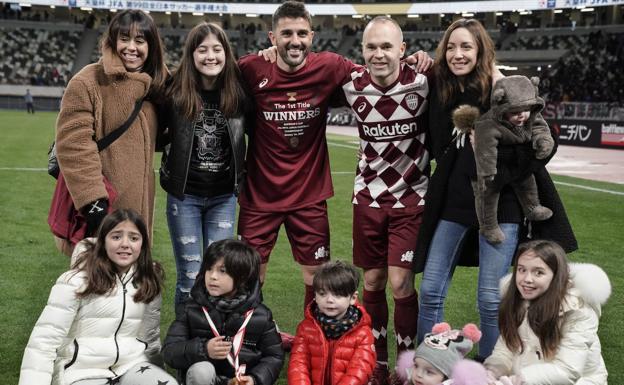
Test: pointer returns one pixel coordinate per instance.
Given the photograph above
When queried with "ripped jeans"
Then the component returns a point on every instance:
(195, 223)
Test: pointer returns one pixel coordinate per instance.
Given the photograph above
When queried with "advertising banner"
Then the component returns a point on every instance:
(589, 133)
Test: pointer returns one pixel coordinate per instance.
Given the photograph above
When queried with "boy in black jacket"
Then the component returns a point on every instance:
(224, 331)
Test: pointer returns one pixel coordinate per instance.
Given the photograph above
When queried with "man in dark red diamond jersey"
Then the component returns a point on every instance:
(288, 175)
(389, 100)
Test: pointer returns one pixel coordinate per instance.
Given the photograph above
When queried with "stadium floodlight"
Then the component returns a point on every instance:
(442, 15)
(251, 14)
(499, 14)
(52, 6)
(467, 14)
(113, 10)
(87, 9)
(198, 14)
(588, 9)
(167, 12)
(412, 15)
(25, 5)
(357, 16)
(558, 11)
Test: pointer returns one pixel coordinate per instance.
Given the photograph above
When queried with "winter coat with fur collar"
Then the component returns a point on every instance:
(97, 101)
(578, 360)
(98, 336)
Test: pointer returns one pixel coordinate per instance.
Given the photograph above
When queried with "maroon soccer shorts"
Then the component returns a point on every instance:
(307, 229)
(385, 237)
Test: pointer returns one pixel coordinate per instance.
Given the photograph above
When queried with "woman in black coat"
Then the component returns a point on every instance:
(464, 69)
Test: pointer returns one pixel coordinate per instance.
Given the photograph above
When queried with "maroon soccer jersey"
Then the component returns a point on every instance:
(392, 124)
(287, 157)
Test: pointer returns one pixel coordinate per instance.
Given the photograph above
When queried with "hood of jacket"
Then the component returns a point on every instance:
(589, 284)
(516, 93)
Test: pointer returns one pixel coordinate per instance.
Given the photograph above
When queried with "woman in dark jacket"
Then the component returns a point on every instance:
(464, 69)
(225, 302)
(202, 165)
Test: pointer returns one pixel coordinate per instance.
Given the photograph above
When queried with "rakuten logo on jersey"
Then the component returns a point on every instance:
(291, 116)
(386, 132)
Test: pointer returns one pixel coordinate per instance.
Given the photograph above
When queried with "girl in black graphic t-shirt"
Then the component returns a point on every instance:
(202, 165)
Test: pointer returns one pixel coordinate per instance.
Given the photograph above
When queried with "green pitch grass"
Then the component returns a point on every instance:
(30, 264)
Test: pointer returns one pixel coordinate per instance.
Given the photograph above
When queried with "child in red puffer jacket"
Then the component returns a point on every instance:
(334, 344)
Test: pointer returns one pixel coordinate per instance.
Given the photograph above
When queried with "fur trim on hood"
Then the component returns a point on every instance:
(404, 364)
(589, 283)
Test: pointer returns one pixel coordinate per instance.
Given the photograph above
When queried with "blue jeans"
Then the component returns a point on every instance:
(494, 262)
(195, 223)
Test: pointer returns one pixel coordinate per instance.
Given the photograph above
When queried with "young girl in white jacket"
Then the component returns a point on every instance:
(548, 319)
(102, 321)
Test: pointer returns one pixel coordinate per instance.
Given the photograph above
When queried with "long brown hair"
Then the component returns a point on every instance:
(543, 312)
(100, 270)
(186, 81)
(128, 20)
(480, 79)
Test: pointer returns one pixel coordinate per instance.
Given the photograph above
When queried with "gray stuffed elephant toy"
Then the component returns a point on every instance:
(514, 118)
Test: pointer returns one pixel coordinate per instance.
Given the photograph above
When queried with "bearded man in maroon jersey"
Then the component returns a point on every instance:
(288, 175)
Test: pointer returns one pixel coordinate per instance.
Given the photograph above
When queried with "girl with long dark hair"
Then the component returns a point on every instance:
(202, 166)
(102, 321)
(549, 315)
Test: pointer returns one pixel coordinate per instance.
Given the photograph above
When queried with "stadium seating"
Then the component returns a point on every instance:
(582, 64)
(37, 56)
(591, 72)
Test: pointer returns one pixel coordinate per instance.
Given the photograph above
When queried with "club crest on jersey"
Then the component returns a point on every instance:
(263, 82)
(291, 96)
(412, 101)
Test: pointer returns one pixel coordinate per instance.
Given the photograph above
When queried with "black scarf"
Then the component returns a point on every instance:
(335, 328)
(228, 305)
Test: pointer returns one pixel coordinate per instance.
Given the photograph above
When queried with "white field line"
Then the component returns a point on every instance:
(560, 183)
(34, 169)
(590, 188)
